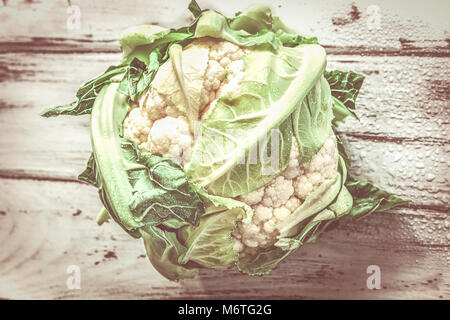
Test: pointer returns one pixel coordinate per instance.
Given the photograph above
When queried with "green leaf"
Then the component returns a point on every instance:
(345, 87)
(161, 191)
(215, 203)
(328, 217)
(312, 121)
(263, 262)
(341, 150)
(87, 94)
(254, 20)
(259, 18)
(194, 8)
(210, 244)
(138, 189)
(134, 37)
(134, 75)
(369, 198)
(259, 112)
(329, 202)
(89, 175)
(139, 76)
(163, 250)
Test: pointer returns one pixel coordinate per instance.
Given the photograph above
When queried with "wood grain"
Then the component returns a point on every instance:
(392, 121)
(366, 26)
(47, 218)
(50, 225)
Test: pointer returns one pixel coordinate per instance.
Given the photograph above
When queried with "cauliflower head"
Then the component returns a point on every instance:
(275, 202)
(159, 124)
(235, 161)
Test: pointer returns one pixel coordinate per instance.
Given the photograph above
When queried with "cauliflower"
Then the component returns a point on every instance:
(293, 170)
(170, 137)
(253, 197)
(277, 192)
(156, 106)
(136, 127)
(321, 167)
(275, 202)
(160, 127)
(239, 91)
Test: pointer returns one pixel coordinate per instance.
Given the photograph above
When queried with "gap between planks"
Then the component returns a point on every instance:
(76, 46)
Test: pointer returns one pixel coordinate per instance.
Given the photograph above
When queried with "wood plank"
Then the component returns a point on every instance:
(402, 97)
(367, 26)
(399, 144)
(47, 221)
(412, 170)
(44, 228)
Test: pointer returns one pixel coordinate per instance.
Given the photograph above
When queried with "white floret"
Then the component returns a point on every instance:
(224, 73)
(282, 196)
(262, 213)
(277, 192)
(262, 230)
(225, 49)
(294, 169)
(269, 226)
(136, 127)
(170, 137)
(153, 105)
(321, 167)
(238, 246)
(253, 197)
(293, 203)
(281, 213)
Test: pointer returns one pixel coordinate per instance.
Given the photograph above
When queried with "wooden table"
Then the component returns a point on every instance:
(402, 144)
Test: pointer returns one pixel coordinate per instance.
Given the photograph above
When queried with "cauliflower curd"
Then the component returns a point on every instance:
(160, 127)
(274, 203)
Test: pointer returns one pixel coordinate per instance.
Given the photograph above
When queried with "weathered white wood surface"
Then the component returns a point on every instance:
(402, 144)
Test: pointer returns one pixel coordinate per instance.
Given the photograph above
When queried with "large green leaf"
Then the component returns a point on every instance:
(223, 158)
(345, 87)
(163, 250)
(210, 244)
(312, 121)
(132, 39)
(369, 198)
(138, 189)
